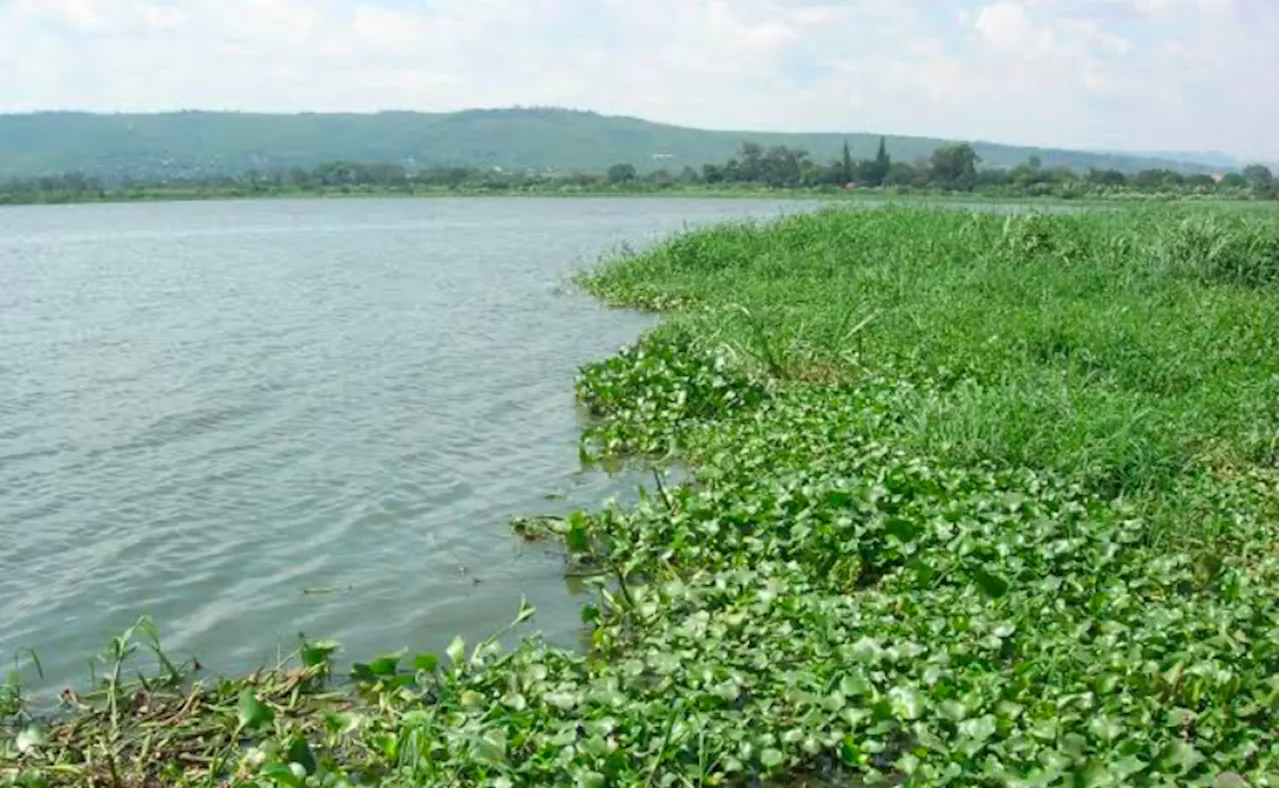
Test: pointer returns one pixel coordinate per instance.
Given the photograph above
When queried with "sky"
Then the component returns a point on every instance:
(1190, 75)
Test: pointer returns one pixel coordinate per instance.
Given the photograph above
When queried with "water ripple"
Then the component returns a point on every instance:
(253, 419)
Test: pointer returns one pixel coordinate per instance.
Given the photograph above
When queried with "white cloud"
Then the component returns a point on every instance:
(1084, 73)
(1006, 27)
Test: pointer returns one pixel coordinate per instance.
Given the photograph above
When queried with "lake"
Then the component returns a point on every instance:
(254, 419)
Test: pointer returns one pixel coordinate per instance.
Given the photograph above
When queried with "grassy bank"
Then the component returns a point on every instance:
(977, 500)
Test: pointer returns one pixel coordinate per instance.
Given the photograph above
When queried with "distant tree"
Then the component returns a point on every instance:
(1256, 174)
(782, 167)
(846, 164)
(1261, 182)
(1105, 177)
(688, 176)
(993, 176)
(954, 166)
(749, 162)
(660, 178)
(1061, 174)
(621, 173)
(1147, 179)
(903, 174)
(875, 171)
(830, 174)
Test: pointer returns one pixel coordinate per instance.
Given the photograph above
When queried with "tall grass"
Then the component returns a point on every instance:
(1126, 349)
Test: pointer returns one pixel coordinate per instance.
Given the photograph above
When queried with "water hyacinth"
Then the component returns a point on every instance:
(974, 500)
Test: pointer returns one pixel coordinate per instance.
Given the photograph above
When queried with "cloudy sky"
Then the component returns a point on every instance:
(1126, 74)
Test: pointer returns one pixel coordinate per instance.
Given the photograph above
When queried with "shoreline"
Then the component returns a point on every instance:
(895, 559)
(876, 196)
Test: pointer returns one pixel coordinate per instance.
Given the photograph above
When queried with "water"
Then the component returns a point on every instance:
(253, 419)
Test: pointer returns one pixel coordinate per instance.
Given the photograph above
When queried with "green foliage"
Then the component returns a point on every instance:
(620, 173)
(1216, 249)
(1092, 336)
(755, 169)
(954, 166)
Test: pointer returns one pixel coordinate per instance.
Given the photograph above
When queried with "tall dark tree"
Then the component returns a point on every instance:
(846, 165)
(876, 170)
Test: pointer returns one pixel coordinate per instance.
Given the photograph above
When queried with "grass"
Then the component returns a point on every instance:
(976, 501)
(1127, 349)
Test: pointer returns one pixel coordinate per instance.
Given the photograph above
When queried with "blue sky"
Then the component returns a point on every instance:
(1122, 74)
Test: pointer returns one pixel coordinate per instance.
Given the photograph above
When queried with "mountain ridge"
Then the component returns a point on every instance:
(122, 146)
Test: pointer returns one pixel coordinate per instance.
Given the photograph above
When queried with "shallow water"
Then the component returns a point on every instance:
(253, 419)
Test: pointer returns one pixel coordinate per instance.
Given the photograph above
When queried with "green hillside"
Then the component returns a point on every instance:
(149, 146)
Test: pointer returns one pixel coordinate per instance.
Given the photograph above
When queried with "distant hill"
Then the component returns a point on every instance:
(153, 146)
(1209, 158)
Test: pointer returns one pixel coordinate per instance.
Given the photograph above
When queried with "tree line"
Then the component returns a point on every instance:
(952, 168)
(956, 168)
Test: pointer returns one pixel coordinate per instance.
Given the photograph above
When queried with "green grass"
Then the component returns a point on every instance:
(1127, 349)
(976, 501)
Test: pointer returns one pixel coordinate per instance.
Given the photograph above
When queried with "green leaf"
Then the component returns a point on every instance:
(902, 529)
(978, 728)
(953, 710)
(252, 713)
(770, 758)
(300, 753)
(855, 684)
(282, 775)
(906, 703)
(591, 779)
(385, 665)
(596, 747)
(425, 662)
(319, 652)
(576, 540)
(515, 701)
(1179, 757)
(866, 650)
(491, 747)
(994, 585)
(1093, 775)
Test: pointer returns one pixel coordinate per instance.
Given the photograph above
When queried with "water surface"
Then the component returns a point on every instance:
(253, 419)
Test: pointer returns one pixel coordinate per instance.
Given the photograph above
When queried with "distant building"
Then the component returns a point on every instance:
(660, 156)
